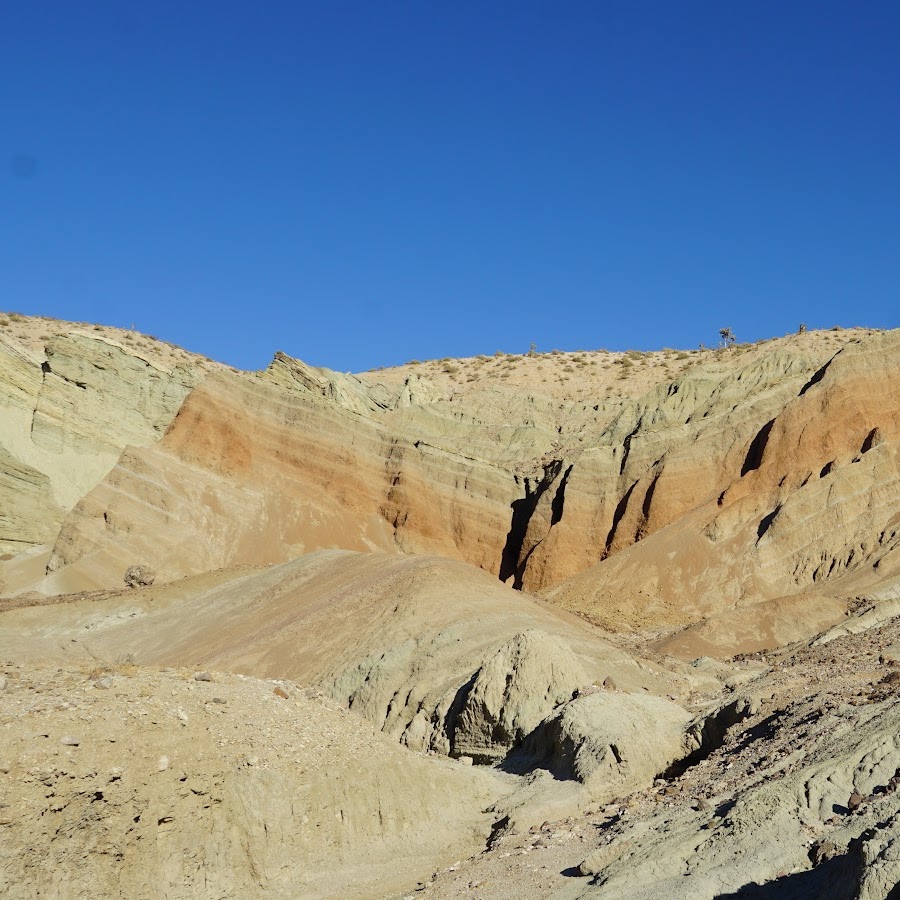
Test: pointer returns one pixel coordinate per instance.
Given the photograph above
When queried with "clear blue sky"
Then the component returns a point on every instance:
(361, 184)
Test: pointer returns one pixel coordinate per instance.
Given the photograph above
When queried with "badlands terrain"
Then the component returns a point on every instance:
(561, 624)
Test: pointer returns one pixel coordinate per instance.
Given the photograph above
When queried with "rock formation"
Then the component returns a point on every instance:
(634, 615)
(66, 414)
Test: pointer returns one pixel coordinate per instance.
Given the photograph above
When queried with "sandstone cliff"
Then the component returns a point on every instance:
(66, 414)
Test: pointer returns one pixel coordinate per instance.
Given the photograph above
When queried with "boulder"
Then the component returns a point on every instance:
(523, 682)
(139, 576)
(612, 743)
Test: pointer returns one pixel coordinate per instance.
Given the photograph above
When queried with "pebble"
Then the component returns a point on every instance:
(202, 676)
(280, 692)
(69, 741)
(104, 683)
(163, 763)
(4, 681)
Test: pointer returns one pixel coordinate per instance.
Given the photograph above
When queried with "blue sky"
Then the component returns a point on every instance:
(360, 184)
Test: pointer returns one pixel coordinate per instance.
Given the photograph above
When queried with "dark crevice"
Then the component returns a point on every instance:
(559, 498)
(456, 707)
(626, 444)
(757, 447)
(617, 517)
(710, 735)
(648, 497)
(766, 522)
(873, 439)
(836, 878)
(816, 378)
(511, 563)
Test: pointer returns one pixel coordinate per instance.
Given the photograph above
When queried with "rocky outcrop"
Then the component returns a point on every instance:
(64, 419)
(517, 687)
(610, 742)
(661, 457)
(677, 856)
(879, 861)
(815, 505)
(28, 513)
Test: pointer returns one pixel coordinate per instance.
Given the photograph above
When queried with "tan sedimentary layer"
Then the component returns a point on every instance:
(66, 414)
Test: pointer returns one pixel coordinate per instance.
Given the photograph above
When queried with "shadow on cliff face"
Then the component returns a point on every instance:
(837, 878)
(512, 564)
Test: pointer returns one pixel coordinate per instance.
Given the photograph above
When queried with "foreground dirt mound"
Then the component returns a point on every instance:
(136, 783)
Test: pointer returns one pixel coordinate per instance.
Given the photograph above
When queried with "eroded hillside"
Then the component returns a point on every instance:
(426, 624)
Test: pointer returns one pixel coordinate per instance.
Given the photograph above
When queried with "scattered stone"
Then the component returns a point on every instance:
(69, 741)
(4, 681)
(281, 692)
(610, 683)
(823, 850)
(202, 676)
(602, 857)
(139, 576)
(855, 801)
(465, 760)
(163, 763)
(104, 683)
